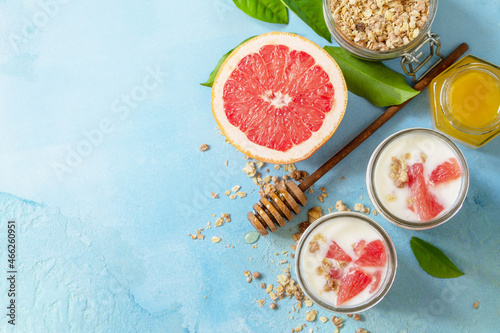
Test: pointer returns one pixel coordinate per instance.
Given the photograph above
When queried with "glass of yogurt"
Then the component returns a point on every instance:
(417, 178)
(345, 262)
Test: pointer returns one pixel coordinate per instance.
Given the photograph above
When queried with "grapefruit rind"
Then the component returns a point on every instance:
(332, 118)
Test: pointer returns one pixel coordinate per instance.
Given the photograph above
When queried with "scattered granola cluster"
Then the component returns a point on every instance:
(268, 183)
(236, 192)
(338, 322)
(398, 172)
(380, 25)
(198, 235)
(204, 147)
(359, 207)
(224, 218)
(339, 205)
(311, 315)
(254, 276)
(323, 195)
(286, 288)
(331, 284)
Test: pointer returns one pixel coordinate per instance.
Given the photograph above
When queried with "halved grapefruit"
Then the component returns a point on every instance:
(279, 97)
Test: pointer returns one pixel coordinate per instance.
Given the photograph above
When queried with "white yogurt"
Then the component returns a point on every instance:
(436, 152)
(345, 231)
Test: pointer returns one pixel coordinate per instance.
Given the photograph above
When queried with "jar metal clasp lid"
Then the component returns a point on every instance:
(412, 58)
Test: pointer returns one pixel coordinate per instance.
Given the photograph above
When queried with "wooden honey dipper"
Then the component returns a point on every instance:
(278, 206)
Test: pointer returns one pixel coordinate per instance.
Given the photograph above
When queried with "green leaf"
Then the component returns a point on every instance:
(211, 78)
(433, 260)
(372, 80)
(311, 12)
(272, 11)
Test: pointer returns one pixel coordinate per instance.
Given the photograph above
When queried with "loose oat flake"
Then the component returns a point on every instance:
(311, 315)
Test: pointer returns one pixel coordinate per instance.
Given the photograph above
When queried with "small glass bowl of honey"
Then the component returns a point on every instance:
(465, 101)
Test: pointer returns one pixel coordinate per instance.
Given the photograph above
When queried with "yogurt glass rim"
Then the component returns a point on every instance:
(384, 286)
(416, 225)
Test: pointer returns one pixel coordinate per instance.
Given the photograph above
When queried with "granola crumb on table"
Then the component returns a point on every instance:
(341, 207)
(311, 315)
(359, 207)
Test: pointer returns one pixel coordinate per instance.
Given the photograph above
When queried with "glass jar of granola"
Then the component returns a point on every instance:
(385, 29)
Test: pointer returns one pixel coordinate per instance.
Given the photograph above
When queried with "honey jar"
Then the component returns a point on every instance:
(465, 101)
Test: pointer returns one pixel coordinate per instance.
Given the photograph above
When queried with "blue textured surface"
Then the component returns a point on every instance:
(103, 222)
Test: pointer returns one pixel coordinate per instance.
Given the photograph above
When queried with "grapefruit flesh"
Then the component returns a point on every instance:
(376, 281)
(373, 254)
(279, 97)
(336, 252)
(352, 283)
(423, 202)
(449, 170)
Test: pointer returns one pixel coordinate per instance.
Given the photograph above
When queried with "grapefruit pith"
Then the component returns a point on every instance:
(279, 97)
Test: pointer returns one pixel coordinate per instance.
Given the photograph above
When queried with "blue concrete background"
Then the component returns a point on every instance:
(105, 187)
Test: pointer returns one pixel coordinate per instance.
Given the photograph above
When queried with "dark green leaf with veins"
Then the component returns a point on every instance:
(433, 260)
(372, 80)
(272, 11)
(311, 12)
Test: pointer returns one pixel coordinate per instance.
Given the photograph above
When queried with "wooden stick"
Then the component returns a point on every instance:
(388, 114)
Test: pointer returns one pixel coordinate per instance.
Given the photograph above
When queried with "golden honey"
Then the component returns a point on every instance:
(465, 101)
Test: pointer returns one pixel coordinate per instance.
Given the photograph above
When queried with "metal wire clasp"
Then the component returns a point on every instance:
(413, 57)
